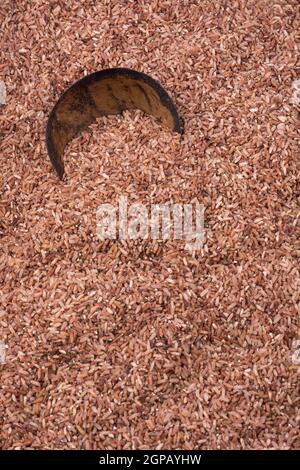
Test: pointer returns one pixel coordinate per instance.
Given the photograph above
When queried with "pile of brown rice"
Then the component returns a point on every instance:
(141, 344)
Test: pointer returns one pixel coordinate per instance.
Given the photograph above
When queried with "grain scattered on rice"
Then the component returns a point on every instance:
(2, 352)
(2, 93)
